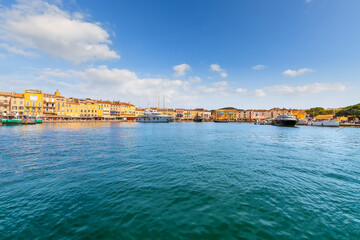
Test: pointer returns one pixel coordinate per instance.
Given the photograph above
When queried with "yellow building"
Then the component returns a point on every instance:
(33, 102)
(226, 114)
(104, 109)
(166, 111)
(189, 114)
(128, 110)
(299, 114)
(139, 111)
(92, 109)
(72, 109)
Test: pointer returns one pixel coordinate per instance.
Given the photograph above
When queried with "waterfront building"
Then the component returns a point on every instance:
(5, 99)
(299, 114)
(72, 109)
(179, 113)
(92, 108)
(260, 115)
(207, 114)
(115, 110)
(60, 106)
(128, 110)
(17, 104)
(139, 111)
(33, 102)
(104, 109)
(50, 103)
(166, 111)
(187, 114)
(228, 114)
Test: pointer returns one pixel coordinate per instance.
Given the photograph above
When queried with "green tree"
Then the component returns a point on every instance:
(350, 111)
(313, 112)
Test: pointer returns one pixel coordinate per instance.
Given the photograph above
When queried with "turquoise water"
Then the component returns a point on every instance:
(179, 181)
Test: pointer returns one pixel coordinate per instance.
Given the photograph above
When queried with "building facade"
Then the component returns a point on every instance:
(33, 102)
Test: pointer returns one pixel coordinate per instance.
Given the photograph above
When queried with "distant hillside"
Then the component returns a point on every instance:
(350, 111)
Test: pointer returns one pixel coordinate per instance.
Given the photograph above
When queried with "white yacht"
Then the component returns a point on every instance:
(152, 116)
(326, 123)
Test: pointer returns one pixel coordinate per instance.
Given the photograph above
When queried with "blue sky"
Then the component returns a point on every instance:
(246, 54)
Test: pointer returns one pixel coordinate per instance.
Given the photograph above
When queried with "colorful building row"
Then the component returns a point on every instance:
(37, 103)
(233, 114)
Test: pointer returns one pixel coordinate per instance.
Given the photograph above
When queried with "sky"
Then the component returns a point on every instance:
(256, 54)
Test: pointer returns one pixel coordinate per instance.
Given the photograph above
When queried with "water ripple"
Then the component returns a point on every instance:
(178, 181)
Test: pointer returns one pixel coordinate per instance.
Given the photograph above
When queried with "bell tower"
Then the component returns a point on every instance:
(57, 93)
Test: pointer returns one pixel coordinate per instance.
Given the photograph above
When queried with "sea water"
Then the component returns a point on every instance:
(179, 181)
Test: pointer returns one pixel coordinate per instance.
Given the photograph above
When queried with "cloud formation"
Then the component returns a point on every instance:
(307, 88)
(39, 25)
(15, 50)
(295, 73)
(217, 68)
(258, 67)
(114, 84)
(181, 69)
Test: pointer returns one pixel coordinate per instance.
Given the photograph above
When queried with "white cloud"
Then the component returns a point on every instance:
(258, 67)
(307, 88)
(308, 1)
(217, 68)
(220, 88)
(15, 50)
(241, 90)
(223, 75)
(260, 93)
(294, 73)
(113, 83)
(194, 79)
(42, 26)
(181, 69)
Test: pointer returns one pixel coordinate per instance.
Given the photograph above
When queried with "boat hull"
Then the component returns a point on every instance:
(151, 121)
(284, 123)
(11, 122)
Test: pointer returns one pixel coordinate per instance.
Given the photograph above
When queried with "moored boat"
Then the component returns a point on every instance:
(326, 123)
(152, 116)
(197, 118)
(221, 121)
(284, 121)
(11, 121)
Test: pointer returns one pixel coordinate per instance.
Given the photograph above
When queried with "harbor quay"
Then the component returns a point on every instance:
(57, 108)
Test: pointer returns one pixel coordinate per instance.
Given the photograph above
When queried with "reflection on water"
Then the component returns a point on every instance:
(116, 180)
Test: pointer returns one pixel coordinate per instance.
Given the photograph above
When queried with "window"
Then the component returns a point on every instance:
(27, 103)
(39, 104)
